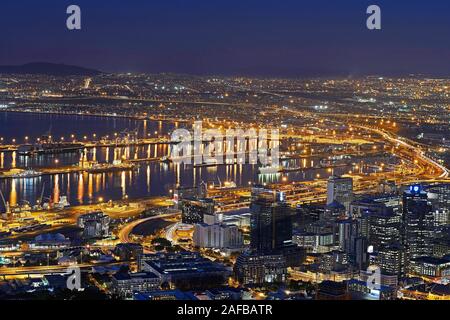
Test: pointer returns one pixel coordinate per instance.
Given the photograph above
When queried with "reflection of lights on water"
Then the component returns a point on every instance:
(68, 184)
(98, 180)
(148, 179)
(90, 186)
(123, 183)
(80, 188)
(13, 194)
(178, 173)
(56, 189)
(194, 176)
(13, 163)
(269, 177)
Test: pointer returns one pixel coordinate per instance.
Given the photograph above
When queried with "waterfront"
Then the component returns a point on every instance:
(149, 179)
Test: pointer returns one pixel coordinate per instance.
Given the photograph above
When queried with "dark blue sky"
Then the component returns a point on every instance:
(248, 37)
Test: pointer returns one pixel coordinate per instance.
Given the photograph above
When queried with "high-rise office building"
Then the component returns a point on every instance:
(341, 190)
(359, 254)
(392, 260)
(380, 225)
(346, 231)
(272, 249)
(271, 221)
(418, 223)
(439, 197)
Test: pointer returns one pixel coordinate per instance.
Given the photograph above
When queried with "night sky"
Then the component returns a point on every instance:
(232, 37)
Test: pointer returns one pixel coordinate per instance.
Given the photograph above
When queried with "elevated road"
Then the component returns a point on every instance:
(419, 154)
(41, 270)
(124, 233)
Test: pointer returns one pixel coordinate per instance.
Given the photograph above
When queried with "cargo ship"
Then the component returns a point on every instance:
(20, 174)
(110, 167)
(270, 169)
(47, 146)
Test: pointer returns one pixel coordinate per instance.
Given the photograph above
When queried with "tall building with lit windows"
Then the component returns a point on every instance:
(271, 247)
(271, 221)
(439, 196)
(418, 223)
(380, 225)
(392, 260)
(193, 209)
(341, 190)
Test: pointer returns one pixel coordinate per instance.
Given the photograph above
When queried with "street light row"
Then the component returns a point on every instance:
(72, 136)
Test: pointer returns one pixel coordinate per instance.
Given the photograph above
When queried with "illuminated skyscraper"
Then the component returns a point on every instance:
(271, 224)
(391, 260)
(380, 225)
(418, 223)
(341, 190)
(439, 196)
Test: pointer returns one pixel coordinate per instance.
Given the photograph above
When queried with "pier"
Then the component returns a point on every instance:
(103, 143)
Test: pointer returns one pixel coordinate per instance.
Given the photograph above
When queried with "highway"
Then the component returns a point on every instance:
(39, 270)
(419, 153)
(125, 232)
(413, 152)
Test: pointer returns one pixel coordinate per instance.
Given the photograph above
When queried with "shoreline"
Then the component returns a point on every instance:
(98, 115)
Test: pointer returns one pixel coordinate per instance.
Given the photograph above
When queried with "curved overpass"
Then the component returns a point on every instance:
(124, 233)
(419, 153)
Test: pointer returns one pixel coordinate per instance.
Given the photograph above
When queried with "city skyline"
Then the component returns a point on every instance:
(225, 153)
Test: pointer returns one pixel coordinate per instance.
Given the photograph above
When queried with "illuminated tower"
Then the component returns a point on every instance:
(341, 190)
(271, 224)
(418, 223)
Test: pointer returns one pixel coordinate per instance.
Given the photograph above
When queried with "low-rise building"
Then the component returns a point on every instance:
(185, 270)
(363, 290)
(254, 269)
(430, 267)
(50, 241)
(128, 251)
(125, 284)
(94, 225)
(219, 236)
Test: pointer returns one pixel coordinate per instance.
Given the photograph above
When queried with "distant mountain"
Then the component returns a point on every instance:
(51, 69)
